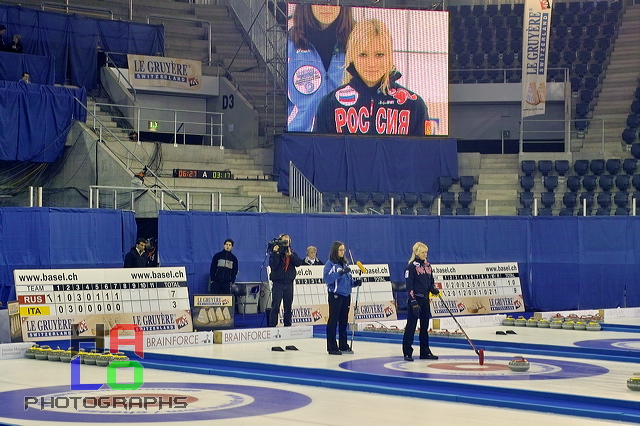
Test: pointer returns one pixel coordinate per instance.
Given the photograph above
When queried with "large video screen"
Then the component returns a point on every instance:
(356, 70)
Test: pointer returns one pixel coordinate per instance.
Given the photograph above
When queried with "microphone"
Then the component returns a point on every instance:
(361, 266)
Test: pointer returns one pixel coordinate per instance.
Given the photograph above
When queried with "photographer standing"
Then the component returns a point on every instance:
(283, 262)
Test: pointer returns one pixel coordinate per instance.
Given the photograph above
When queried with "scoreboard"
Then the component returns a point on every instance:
(477, 288)
(60, 303)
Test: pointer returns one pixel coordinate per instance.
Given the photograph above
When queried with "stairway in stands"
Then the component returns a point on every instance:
(238, 194)
(498, 183)
(618, 85)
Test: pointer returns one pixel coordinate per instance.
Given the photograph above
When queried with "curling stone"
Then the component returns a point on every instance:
(54, 355)
(572, 317)
(567, 325)
(544, 323)
(519, 365)
(122, 358)
(104, 359)
(31, 352)
(66, 355)
(508, 321)
(593, 326)
(42, 353)
(556, 324)
(598, 318)
(634, 383)
(557, 317)
(520, 322)
(533, 322)
(457, 334)
(91, 357)
(580, 325)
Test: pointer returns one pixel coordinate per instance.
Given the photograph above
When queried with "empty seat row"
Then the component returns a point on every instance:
(597, 167)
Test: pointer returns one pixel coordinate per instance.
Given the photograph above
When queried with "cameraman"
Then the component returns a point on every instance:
(283, 262)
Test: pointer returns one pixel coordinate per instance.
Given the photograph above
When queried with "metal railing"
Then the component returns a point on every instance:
(181, 19)
(130, 193)
(182, 120)
(302, 191)
(568, 133)
(120, 74)
(67, 7)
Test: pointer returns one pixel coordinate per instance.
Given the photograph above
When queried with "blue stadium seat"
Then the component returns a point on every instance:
(550, 183)
(604, 43)
(589, 43)
(581, 167)
(328, 198)
(453, 10)
(565, 211)
(602, 5)
(586, 96)
(597, 166)
(545, 211)
(513, 21)
(605, 182)
(612, 17)
(588, 6)
(600, 56)
(580, 70)
(574, 7)
(608, 30)
(465, 198)
(577, 31)
(588, 197)
(603, 211)
(397, 198)
(635, 181)
(426, 199)
(597, 18)
(524, 211)
(423, 211)
(378, 198)
(527, 183)
(635, 106)
(518, 9)
(622, 182)
(595, 70)
(505, 9)
(582, 110)
(576, 83)
(478, 10)
(569, 57)
(470, 21)
(574, 44)
(463, 211)
(584, 56)
(411, 199)
(574, 183)
(604, 199)
(635, 150)
(583, 19)
(629, 137)
(407, 211)
(456, 22)
(613, 166)
(621, 199)
(507, 59)
(569, 200)
(562, 167)
(554, 59)
(498, 21)
(526, 199)
(568, 19)
(560, 7)
(528, 167)
(444, 183)
(545, 167)
(446, 211)
(362, 198)
(629, 165)
(448, 199)
(466, 183)
(464, 10)
(492, 9)
(493, 59)
(591, 83)
(548, 199)
(589, 183)
(487, 32)
(633, 121)
(581, 124)
(621, 211)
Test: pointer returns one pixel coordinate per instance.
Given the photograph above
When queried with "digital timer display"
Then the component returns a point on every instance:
(202, 174)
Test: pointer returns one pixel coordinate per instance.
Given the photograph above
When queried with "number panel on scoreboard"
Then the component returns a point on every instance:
(478, 288)
(108, 296)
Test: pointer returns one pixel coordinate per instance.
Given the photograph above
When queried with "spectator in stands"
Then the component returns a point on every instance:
(371, 101)
(15, 46)
(137, 256)
(316, 49)
(311, 258)
(419, 280)
(26, 78)
(283, 261)
(340, 282)
(3, 45)
(223, 270)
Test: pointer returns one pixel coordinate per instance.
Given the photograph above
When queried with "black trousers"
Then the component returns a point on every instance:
(281, 293)
(217, 287)
(410, 329)
(338, 315)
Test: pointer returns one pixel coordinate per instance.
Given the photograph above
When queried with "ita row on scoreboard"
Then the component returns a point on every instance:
(157, 299)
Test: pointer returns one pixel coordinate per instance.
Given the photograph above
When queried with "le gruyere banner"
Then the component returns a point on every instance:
(164, 72)
(535, 51)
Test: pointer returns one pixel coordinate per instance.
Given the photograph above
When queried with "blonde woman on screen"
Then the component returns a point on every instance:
(370, 101)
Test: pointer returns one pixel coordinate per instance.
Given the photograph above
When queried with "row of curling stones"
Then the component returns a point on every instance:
(555, 324)
(519, 364)
(634, 382)
(93, 357)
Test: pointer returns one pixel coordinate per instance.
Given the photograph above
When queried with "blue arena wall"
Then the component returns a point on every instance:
(565, 262)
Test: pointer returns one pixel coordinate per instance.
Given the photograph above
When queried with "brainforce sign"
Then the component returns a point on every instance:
(109, 400)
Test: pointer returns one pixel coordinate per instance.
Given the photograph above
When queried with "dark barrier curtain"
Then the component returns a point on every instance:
(83, 53)
(40, 122)
(72, 40)
(562, 266)
(351, 163)
(79, 108)
(40, 68)
(42, 238)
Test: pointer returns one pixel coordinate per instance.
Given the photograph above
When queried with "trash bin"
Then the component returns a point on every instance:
(248, 303)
